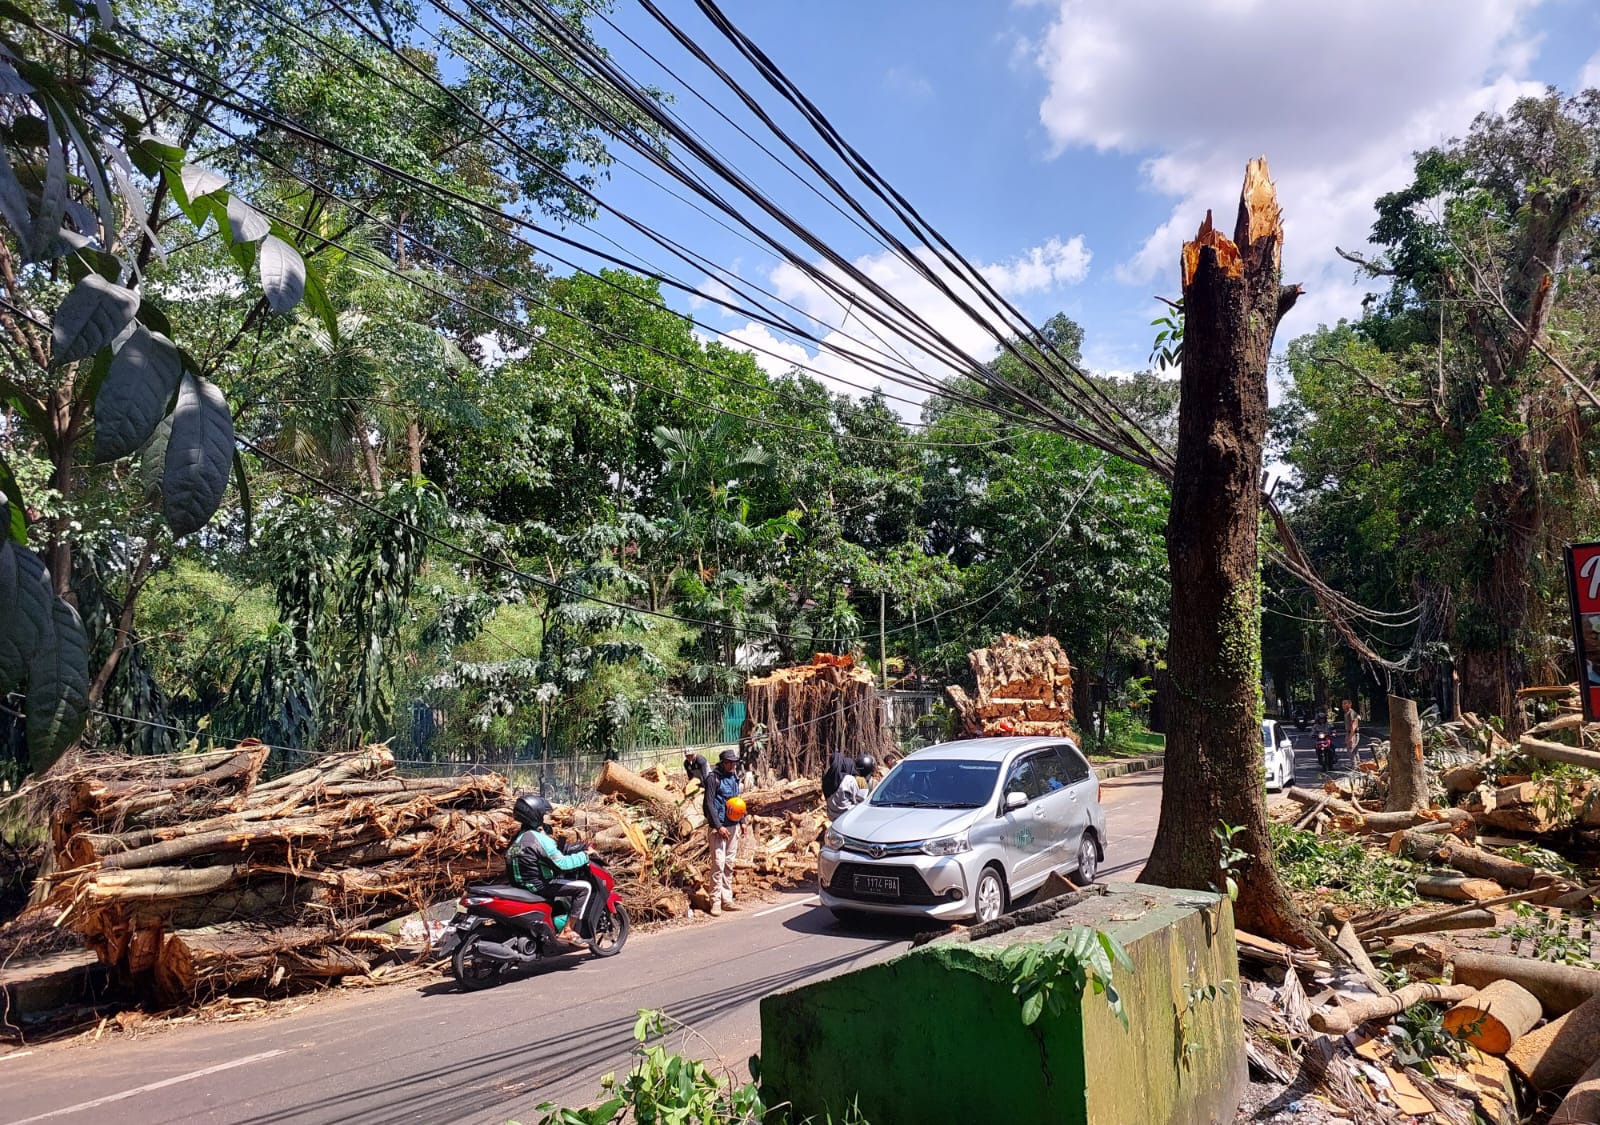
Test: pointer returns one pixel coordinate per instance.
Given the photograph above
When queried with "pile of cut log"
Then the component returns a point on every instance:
(650, 827)
(190, 876)
(810, 712)
(1024, 687)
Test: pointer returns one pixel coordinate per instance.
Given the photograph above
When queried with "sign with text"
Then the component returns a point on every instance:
(1583, 585)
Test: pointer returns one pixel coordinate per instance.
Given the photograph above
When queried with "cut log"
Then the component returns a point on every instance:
(1337, 1021)
(1558, 752)
(1408, 818)
(1471, 861)
(1560, 988)
(1408, 777)
(619, 781)
(1458, 888)
(1581, 1106)
(1462, 779)
(1494, 1017)
(1557, 1054)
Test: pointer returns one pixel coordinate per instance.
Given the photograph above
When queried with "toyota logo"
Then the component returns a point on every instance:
(876, 851)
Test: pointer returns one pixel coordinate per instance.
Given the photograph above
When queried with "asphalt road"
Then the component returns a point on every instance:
(436, 1055)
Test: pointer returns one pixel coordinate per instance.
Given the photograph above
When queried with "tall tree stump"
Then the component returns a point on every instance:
(1408, 775)
(1232, 302)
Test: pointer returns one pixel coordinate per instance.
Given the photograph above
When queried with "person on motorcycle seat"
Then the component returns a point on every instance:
(537, 862)
(852, 792)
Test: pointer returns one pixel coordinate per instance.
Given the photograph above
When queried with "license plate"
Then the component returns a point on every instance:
(878, 885)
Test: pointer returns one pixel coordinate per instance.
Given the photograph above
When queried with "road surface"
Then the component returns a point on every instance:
(432, 1054)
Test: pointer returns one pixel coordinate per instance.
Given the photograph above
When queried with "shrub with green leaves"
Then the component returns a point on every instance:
(1343, 865)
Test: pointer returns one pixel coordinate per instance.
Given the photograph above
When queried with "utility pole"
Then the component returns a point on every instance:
(883, 653)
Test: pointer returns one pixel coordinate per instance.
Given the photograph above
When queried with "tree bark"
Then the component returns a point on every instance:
(1337, 1021)
(1232, 299)
(1558, 1053)
(1408, 776)
(1560, 988)
(1495, 1017)
(1581, 1106)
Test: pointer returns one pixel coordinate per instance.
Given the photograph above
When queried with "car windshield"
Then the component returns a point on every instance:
(940, 783)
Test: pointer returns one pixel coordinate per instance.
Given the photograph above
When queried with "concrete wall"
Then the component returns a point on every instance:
(936, 1035)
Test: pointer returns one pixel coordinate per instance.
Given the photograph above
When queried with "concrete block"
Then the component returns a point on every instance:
(936, 1035)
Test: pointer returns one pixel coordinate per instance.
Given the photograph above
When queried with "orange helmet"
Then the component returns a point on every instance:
(1005, 726)
(735, 808)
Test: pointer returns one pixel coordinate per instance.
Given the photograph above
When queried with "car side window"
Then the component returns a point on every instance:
(1277, 731)
(1074, 768)
(1024, 777)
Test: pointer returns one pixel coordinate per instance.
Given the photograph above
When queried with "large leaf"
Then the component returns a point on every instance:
(153, 459)
(199, 454)
(93, 314)
(199, 181)
(13, 199)
(143, 376)
(13, 513)
(283, 274)
(26, 620)
(52, 199)
(13, 666)
(245, 223)
(58, 687)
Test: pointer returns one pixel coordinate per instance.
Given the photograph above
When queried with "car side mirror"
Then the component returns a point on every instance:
(1015, 800)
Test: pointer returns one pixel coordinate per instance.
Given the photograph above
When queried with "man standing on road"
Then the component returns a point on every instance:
(722, 830)
(851, 792)
(1352, 731)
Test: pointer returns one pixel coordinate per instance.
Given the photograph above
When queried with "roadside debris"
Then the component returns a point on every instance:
(807, 713)
(1024, 688)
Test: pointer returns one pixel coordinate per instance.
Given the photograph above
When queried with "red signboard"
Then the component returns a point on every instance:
(1583, 584)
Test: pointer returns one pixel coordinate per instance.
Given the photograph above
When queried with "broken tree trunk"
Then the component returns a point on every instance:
(1470, 918)
(1426, 848)
(1494, 1017)
(813, 711)
(1581, 1106)
(1408, 777)
(1337, 1021)
(1232, 300)
(1557, 1054)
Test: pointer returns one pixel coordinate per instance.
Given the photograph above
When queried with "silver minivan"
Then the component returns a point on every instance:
(961, 829)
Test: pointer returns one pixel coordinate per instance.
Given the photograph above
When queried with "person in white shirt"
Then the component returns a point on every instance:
(852, 787)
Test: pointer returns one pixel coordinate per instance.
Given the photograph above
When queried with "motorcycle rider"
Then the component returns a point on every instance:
(852, 792)
(536, 862)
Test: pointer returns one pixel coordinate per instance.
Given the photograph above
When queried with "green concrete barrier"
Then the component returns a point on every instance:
(936, 1035)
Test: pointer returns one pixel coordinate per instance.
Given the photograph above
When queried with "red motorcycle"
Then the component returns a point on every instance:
(501, 928)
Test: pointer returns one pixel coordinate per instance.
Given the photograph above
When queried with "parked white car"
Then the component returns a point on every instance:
(1278, 754)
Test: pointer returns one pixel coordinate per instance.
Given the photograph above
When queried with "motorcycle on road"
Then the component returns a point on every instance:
(500, 928)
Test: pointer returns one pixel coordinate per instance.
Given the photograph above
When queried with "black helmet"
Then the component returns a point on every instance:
(530, 810)
(729, 755)
(866, 765)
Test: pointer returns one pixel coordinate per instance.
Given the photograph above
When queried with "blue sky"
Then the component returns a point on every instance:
(1069, 146)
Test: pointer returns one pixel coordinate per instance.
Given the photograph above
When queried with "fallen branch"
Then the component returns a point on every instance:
(1337, 1021)
(1558, 752)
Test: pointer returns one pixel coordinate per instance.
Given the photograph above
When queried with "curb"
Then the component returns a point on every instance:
(1105, 771)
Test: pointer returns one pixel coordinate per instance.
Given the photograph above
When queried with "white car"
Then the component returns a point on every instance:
(1277, 755)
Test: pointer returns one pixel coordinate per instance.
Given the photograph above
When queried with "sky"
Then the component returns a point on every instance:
(1068, 147)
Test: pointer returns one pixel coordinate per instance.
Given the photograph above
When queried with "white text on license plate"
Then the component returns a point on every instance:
(877, 884)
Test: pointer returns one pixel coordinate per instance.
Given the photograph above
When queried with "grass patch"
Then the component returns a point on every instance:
(1341, 865)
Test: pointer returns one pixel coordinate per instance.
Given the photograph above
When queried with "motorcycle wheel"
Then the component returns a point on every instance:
(473, 970)
(611, 933)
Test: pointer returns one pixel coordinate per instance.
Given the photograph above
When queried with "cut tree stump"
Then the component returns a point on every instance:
(1408, 776)
(1557, 1054)
(1494, 1017)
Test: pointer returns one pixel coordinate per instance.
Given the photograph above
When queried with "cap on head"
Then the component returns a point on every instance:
(729, 755)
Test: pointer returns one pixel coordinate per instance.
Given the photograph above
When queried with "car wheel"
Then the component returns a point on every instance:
(1088, 860)
(989, 900)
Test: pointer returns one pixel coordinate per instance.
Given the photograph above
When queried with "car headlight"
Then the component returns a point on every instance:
(946, 845)
(833, 837)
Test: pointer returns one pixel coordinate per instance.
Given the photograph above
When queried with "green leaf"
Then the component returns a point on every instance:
(317, 300)
(93, 314)
(13, 667)
(25, 615)
(58, 687)
(199, 454)
(245, 223)
(14, 524)
(283, 274)
(1032, 1009)
(151, 316)
(153, 459)
(138, 388)
(199, 181)
(243, 480)
(13, 199)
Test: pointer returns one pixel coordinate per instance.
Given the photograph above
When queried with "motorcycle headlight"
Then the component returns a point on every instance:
(833, 837)
(946, 845)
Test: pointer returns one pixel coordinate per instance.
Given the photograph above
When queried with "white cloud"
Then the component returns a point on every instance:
(1201, 87)
(1589, 77)
(907, 83)
(856, 343)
